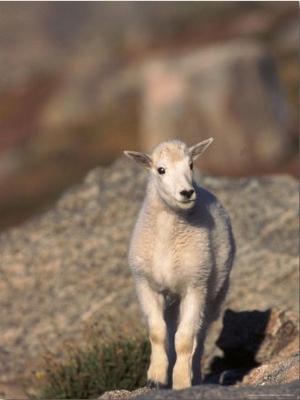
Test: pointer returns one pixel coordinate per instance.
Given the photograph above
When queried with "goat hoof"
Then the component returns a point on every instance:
(154, 385)
(150, 384)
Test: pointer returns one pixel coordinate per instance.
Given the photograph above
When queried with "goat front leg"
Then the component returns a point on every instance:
(153, 308)
(190, 323)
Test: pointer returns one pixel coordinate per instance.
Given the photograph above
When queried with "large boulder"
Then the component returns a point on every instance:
(69, 266)
(259, 348)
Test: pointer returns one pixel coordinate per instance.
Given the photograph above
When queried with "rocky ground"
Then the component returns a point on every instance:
(68, 267)
(214, 392)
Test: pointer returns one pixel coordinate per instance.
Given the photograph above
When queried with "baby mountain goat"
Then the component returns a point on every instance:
(181, 254)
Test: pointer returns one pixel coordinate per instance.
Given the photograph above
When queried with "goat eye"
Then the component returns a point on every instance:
(191, 166)
(161, 171)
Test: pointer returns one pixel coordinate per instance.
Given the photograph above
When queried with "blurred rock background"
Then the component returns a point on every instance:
(82, 81)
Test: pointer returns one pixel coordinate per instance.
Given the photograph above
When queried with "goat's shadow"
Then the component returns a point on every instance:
(240, 339)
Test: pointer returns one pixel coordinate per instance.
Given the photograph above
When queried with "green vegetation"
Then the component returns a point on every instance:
(88, 370)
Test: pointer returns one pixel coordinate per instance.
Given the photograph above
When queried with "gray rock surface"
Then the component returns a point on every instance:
(69, 266)
(275, 373)
(214, 392)
(211, 392)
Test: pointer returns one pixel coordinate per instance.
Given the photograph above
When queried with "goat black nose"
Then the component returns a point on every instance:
(187, 193)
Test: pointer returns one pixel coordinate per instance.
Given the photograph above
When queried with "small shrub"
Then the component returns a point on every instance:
(87, 371)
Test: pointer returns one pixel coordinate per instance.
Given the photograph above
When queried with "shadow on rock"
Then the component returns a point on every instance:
(249, 339)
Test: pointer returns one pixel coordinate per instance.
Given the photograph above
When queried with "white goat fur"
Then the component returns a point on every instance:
(181, 254)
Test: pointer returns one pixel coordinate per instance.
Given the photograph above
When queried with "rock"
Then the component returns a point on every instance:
(68, 266)
(214, 392)
(275, 373)
(249, 339)
(230, 92)
(123, 394)
(257, 336)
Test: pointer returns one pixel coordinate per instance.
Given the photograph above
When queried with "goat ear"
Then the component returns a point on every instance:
(199, 148)
(140, 158)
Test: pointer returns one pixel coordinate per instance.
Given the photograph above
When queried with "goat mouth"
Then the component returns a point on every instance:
(187, 203)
